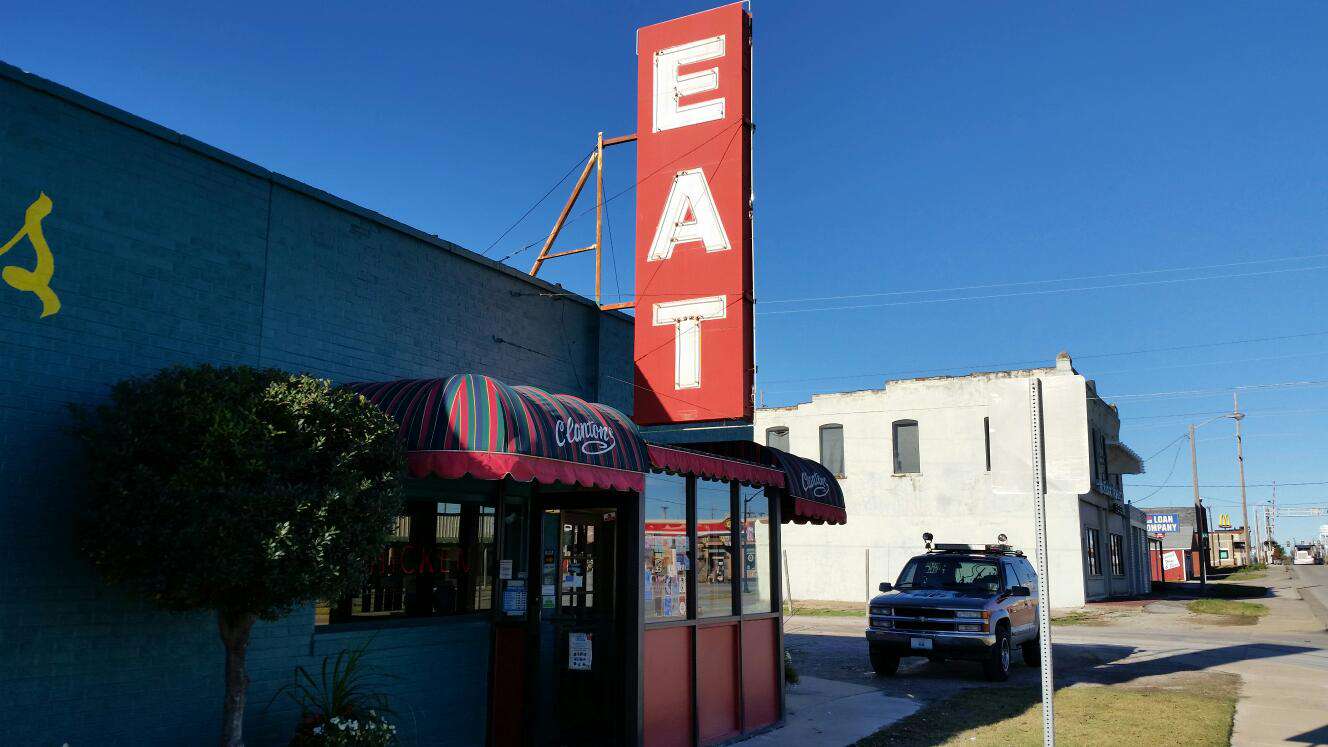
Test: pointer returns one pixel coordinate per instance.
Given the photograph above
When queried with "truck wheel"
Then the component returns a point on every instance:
(996, 667)
(885, 664)
(1032, 652)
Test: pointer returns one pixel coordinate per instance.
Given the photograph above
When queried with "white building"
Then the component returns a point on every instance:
(952, 456)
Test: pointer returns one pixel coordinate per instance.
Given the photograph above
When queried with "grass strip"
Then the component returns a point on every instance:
(1199, 711)
(808, 611)
(1227, 607)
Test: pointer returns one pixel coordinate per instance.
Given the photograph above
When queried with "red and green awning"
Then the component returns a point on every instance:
(811, 494)
(474, 425)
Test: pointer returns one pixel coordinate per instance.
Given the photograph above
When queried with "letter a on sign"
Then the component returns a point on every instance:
(689, 215)
(693, 354)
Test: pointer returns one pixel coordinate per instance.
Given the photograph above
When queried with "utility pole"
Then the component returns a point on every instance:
(1258, 541)
(1272, 513)
(1200, 526)
(1240, 461)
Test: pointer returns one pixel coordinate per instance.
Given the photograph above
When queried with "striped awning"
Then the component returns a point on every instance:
(811, 493)
(474, 425)
(681, 461)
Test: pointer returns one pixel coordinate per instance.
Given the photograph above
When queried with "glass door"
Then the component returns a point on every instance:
(578, 627)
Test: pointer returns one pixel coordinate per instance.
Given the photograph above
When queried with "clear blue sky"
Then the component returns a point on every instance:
(899, 147)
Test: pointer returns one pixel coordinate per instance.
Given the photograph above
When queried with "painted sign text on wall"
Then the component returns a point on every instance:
(693, 355)
(36, 281)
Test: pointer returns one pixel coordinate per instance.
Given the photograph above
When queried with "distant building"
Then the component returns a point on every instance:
(1226, 548)
(952, 456)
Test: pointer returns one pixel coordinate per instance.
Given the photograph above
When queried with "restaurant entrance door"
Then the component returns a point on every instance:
(578, 685)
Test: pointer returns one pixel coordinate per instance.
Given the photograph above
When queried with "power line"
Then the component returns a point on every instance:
(1047, 291)
(1174, 461)
(1042, 363)
(1306, 384)
(1075, 278)
(1214, 485)
(537, 203)
(634, 185)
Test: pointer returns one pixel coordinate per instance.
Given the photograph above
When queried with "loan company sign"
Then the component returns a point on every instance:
(693, 353)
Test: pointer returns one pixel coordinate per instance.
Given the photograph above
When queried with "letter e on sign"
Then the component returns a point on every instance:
(693, 348)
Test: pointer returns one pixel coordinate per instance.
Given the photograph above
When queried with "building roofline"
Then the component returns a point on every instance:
(101, 108)
(995, 374)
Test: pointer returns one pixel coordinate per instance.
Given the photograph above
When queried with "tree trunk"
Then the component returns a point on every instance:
(235, 634)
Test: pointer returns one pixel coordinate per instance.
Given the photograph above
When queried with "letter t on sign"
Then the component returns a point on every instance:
(686, 317)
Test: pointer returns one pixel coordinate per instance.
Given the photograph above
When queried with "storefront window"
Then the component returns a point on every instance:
(755, 538)
(665, 548)
(438, 562)
(714, 523)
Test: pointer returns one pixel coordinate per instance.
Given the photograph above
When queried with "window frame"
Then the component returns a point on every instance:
(1093, 550)
(1116, 553)
(897, 466)
(782, 430)
(842, 472)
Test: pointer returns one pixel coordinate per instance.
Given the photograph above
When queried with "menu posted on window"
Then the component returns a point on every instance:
(579, 651)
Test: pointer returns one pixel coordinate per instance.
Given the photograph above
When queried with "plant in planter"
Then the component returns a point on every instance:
(340, 706)
(239, 491)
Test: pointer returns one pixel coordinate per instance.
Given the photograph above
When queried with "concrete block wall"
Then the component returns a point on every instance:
(168, 251)
(954, 496)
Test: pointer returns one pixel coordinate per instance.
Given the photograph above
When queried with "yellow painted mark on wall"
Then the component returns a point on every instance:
(37, 280)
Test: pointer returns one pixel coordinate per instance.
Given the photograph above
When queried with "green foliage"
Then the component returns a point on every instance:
(790, 672)
(340, 706)
(241, 490)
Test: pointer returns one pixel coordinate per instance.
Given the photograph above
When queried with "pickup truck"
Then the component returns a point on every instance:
(957, 602)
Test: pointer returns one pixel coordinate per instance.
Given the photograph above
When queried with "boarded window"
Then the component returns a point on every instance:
(986, 440)
(777, 438)
(832, 448)
(907, 457)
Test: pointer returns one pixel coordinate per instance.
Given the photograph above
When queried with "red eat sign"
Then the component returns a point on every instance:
(693, 352)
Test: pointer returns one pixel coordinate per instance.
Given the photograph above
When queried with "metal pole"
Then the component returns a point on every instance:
(1043, 571)
(599, 211)
(1240, 460)
(1199, 528)
(866, 573)
(788, 587)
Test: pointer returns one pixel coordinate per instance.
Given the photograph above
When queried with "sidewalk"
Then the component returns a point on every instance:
(829, 712)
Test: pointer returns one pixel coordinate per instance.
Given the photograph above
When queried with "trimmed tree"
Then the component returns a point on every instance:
(239, 491)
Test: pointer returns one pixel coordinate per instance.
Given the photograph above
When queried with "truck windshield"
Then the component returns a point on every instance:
(956, 574)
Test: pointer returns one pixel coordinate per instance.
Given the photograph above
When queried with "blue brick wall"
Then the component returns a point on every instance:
(168, 251)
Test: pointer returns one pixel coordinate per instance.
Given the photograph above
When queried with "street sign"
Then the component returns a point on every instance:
(693, 346)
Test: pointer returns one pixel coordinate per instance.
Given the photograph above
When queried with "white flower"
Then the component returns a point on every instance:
(318, 730)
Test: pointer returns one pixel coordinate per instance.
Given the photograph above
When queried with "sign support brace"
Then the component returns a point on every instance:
(596, 161)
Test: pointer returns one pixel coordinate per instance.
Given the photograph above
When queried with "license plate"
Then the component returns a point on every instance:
(922, 643)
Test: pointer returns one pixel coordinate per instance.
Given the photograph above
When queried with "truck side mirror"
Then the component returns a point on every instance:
(885, 586)
(1021, 591)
